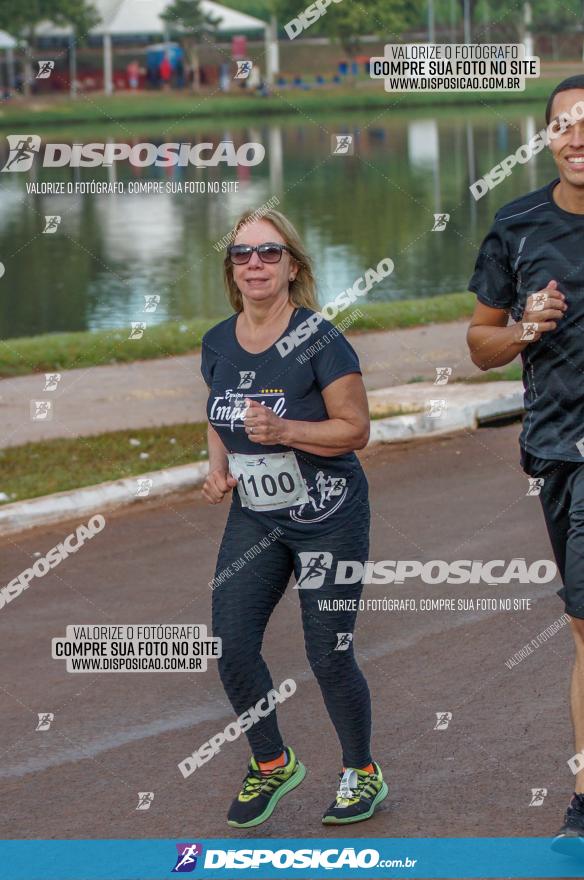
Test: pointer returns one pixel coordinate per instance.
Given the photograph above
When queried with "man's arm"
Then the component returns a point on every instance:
(493, 342)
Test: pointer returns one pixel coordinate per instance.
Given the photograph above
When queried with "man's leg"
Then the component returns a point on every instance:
(564, 490)
(574, 598)
(577, 696)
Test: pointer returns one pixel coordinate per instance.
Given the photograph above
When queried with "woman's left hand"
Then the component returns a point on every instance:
(262, 425)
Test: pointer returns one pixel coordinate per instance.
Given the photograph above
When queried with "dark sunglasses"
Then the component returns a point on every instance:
(270, 252)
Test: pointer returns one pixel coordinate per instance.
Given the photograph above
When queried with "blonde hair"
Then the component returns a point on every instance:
(302, 291)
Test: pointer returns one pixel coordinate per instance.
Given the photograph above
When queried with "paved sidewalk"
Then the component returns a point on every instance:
(170, 390)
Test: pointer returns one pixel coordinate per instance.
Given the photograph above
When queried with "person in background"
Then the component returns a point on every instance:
(133, 74)
(165, 70)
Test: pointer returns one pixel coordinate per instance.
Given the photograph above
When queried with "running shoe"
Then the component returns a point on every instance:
(571, 834)
(261, 792)
(358, 796)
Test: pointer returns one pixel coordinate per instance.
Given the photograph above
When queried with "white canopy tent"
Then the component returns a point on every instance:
(137, 18)
(6, 41)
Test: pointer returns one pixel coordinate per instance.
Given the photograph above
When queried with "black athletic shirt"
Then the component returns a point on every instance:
(531, 242)
(292, 386)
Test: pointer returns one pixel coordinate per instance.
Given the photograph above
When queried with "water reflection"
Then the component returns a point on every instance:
(111, 250)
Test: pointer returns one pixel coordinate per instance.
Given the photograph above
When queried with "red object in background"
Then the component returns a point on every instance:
(239, 48)
(165, 69)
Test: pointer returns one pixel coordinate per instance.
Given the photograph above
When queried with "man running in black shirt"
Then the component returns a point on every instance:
(531, 266)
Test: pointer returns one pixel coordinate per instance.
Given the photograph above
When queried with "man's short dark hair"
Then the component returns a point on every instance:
(572, 82)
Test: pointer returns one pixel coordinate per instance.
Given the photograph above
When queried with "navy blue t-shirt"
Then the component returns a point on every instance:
(531, 242)
(291, 384)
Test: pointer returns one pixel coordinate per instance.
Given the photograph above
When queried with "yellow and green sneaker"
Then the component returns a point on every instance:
(358, 796)
(261, 792)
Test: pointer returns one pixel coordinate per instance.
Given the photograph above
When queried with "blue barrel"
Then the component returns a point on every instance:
(156, 53)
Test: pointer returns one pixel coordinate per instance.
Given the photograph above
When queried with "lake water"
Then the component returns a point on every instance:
(110, 251)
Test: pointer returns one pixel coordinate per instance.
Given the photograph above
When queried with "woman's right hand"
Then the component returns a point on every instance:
(217, 485)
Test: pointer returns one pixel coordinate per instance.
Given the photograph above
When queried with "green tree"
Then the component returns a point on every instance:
(351, 20)
(22, 19)
(190, 25)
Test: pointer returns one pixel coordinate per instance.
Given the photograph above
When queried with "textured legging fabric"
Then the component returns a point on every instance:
(243, 603)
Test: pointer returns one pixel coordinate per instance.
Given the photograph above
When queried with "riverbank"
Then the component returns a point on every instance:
(127, 107)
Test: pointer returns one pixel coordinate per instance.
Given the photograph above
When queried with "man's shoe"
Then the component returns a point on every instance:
(358, 796)
(570, 837)
(261, 792)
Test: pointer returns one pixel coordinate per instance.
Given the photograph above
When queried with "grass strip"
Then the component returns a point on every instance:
(63, 351)
(36, 469)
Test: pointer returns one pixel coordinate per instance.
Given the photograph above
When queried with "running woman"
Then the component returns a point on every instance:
(287, 409)
(531, 266)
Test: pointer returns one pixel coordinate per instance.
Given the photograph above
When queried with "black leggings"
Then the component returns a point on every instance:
(243, 600)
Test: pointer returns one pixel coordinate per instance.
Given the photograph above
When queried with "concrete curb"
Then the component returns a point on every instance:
(82, 503)
(466, 406)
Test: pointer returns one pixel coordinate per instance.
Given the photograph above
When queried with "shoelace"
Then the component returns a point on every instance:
(256, 782)
(348, 792)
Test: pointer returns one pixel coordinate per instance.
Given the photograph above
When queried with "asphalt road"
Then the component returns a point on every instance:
(114, 735)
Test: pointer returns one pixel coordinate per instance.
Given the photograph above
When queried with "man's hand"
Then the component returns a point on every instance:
(217, 485)
(262, 425)
(544, 308)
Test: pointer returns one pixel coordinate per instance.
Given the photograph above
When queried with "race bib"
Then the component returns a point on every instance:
(268, 482)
